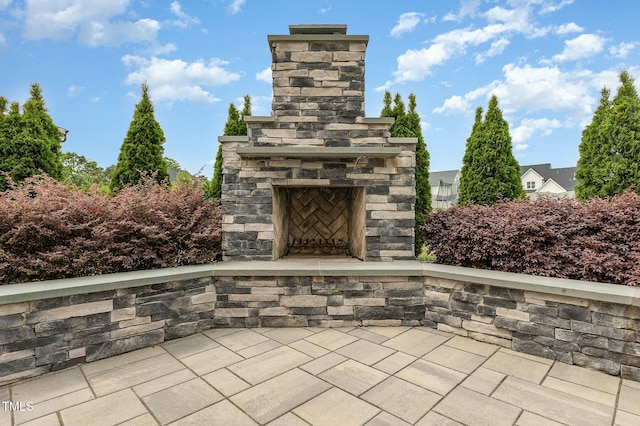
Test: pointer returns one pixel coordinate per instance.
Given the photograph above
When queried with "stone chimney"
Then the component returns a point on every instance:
(318, 77)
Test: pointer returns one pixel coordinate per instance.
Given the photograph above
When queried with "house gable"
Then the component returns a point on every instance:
(551, 187)
(531, 180)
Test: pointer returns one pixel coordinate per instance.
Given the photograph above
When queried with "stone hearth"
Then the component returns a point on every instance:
(317, 177)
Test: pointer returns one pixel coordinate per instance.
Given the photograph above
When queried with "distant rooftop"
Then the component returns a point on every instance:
(563, 176)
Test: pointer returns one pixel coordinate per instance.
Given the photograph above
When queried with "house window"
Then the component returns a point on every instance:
(531, 185)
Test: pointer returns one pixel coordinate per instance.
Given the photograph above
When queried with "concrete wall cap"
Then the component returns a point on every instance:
(259, 119)
(37, 290)
(377, 120)
(233, 138)
(624, 295)
(318, 29)
(403, 141)
(331, 38)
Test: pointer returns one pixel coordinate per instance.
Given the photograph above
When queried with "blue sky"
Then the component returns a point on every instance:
(546, 60)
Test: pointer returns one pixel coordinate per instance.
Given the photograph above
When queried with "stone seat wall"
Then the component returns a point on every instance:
(47, 326)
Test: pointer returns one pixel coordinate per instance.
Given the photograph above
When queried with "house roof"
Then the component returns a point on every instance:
(563, 176)
(541, 169)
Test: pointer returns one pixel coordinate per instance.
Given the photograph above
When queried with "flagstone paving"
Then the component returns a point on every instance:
(371, 376)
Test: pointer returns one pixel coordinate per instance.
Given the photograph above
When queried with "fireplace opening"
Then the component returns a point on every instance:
(319, 221)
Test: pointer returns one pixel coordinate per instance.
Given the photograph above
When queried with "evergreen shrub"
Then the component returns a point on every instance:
(597, 240)
(49, 230)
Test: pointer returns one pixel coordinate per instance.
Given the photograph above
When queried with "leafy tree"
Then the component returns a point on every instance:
(407, 124)
(172, 164)
(490, 172)
(30, 142)
(81, 172)
(235, 126)
(141, 151)
(609, 161)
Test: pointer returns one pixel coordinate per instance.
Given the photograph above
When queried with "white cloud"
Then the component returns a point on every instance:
(324, 10)
(543, 88)
(553, 6)
(177, 80)
(94, 25)
(265, 75)
(497, 47)
(117, 33)
(407, 22)
(622, 50)
(467, 8)
(461, 104)
(184, 20)
(453, 105)
(415, 65)
(162, 49)
(4, 4)
(3, 41)
(583, 46)
(235, 6)
(61, 19)
(571, 27)
(73, 89)
(529, 126)
(529, 88)
(387, 84)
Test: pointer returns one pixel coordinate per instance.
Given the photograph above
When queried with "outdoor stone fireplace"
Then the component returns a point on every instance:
(316, 177)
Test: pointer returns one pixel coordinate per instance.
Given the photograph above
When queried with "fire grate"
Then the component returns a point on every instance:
(326, 247)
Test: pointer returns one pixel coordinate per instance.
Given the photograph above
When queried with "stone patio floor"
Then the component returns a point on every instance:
(344, 376)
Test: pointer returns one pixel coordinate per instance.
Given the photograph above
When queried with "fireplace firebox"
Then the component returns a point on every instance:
(317, 177)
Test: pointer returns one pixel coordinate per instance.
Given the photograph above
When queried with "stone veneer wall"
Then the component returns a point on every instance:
(45, 335)
(587, 324)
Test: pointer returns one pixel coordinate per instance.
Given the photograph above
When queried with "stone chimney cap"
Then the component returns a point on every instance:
(318, 29)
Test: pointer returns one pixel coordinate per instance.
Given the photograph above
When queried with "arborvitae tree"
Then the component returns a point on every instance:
(610, 148)
(30, 142)
(235, 126)
(594, 143)
(215, 187)
(469, 186)
(141, 151)
(423, 188)
(386, 108)
(490, 172)
(407, 124)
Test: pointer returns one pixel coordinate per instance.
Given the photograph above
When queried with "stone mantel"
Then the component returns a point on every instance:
(317, 152)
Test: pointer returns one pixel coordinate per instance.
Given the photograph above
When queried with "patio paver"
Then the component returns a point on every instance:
(372, 376)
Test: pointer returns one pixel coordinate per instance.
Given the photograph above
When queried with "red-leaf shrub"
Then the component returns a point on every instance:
(594, 241)
(49, 230)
